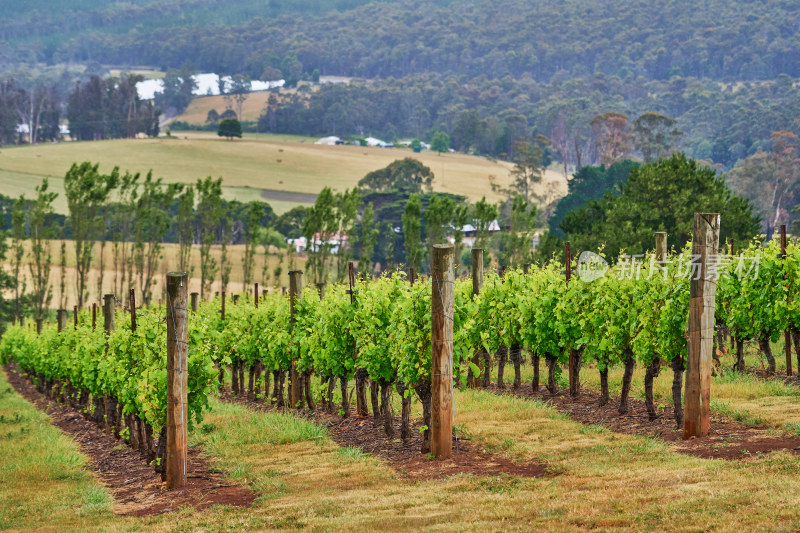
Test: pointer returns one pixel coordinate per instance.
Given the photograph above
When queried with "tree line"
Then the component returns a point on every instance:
(718, 39)
(390, 220)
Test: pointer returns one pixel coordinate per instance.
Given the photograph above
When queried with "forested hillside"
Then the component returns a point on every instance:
(720, 39)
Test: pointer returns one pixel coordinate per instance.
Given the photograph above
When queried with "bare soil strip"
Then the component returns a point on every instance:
(137, 489)
(727, 439)
(406, 457)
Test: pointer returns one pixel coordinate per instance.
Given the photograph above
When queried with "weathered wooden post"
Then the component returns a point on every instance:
(133, 310)
(705, 246)
(295, 294)
(94, 315)
(255, 295)
(223, 305)
(787, 335)
(573, 381)
(39, 322)
(195, 298)
(477, 285)
(177, 379)
(442, 303)
(61, 319)
(411, 275)
(75, 317)
(108, 313)
(360, 373)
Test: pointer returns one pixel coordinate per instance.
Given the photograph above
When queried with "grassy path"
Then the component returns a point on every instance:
(603, 480)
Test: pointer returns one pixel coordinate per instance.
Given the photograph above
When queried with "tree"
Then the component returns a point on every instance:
(483, 214)
(655, 136)
(659, 196)
(209, 213)
(437, 218)
(347, 205)
(152, 222)
(18, 220)
(369, 237)
(321, 224)
(612, 136)
(770, 180)
(252, 234)
(588, 183)
(230, 128)
(412, 231)
(407, 175)
(529, 165)
(516, 244)
(41, 257)
(185, 222)
(239, 91)
(87, 191)
(460, 219)
(122, 223)
(440, 142)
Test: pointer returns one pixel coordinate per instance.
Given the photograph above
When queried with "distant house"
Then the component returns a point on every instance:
(470, 233)
(334, 241)
(329, 141)
(372, 141)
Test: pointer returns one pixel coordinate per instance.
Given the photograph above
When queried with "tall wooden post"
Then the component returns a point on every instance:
(477, 285)
(477, 271)
(75, 317)
(133, 310)
(705, 245)
(295, 294)
(39, 323)
(360, 373)
(108, 313)
(61, 319)
(573, 385)
(442, 303)
(255, 295)
(787, 335)
(195, 297)
(177, 378)
(223, 305)
(94, 315)
(661, 246)
(411, 275)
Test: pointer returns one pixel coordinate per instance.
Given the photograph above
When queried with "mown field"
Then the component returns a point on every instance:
(255, 167)
(598, 479)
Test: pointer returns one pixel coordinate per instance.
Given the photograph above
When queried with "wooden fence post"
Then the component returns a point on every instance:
(255, 295)
(573, 385)
(133, 310)
(705, 246)
(661, 246)
(177, 379)
(94, 315)
(442, 303)
(61, 319)
(108, 313)
(787, 335)
(39, 323)
(295, 294)
(477, 285)
(223, 306)
(195, 297)
(75, 317)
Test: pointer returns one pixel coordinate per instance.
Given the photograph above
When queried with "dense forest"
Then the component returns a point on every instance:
(720, 39)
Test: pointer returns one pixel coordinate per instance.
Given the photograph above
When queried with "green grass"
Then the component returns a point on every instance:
(44, 479)
(601, 480)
